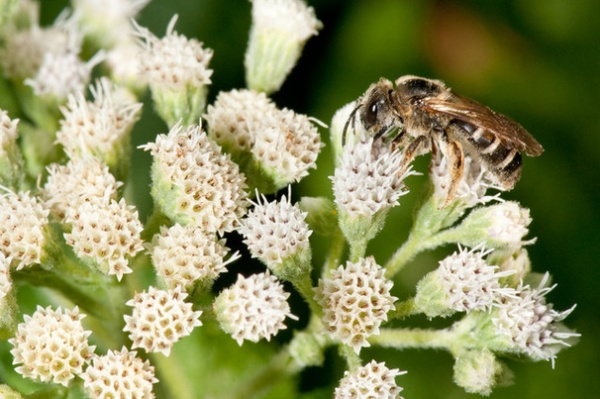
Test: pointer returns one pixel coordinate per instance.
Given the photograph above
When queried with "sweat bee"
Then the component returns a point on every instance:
(425, 111)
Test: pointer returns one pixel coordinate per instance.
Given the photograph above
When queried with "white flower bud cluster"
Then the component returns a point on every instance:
(51, 345)
(160, 319)
(373, 380)
(119, 374)
(355, 301)
(253, 308)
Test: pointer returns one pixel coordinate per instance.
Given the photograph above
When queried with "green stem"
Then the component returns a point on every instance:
(403, 309)
(414, 338)
(171, 374)
(153, 223)
(305, 288)
(336, 248)
(351, 357)
(358, 248)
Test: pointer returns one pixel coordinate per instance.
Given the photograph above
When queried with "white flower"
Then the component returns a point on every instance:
(463, 282)
(532, 325)
(183, 255)
(51, 345)
(119, 374)
(159, 319)
(193, 183)
(6, 284)
(254, 307)
(278, 33)
(23, 228)
(277, 234)
(368, 180)
(105, 234)
(371, 381)
(355, 301)
(100, 127)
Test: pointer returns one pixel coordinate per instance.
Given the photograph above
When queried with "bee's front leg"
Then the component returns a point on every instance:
(418, 145)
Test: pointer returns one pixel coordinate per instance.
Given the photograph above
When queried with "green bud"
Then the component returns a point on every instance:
(477, 371)
(431, 298)
(307, 349)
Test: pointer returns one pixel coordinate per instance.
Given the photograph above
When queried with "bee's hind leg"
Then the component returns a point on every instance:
(456, 168)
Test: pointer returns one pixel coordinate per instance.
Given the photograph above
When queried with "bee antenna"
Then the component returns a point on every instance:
(351, 117)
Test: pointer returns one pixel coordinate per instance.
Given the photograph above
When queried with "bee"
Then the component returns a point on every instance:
(425, 113)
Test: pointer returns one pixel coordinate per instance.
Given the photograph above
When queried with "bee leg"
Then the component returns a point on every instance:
(413, 149)
(456, 166)
(399, 140)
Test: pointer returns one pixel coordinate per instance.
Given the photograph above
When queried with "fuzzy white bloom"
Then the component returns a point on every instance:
(8, 133)
(509, 223)
(183, 255)
(346, 129)
(159, 319)
(278, 33)
(79, 180)
(23, 50)
(106, 234)
(277, 234)
(119, 374)
(355, 301)
(253, 308)
(176, 69)
(62, 74)
(477, 371)
(124, 63)
(368, 180)
(51, 345)
(284, 144)
(531, 324)
(100, 127)
(6, 284)
(23, 228)
(371, 381)
(463, 282)
(107, 21)
(193, 183)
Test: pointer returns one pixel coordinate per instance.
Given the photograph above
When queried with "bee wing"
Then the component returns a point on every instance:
(470, 111)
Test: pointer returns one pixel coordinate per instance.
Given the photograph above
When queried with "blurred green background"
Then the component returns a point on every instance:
(535, 60)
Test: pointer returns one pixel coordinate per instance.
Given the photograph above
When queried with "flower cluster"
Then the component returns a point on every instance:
(71, 231)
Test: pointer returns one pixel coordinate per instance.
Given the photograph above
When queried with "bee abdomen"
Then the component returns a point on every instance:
(503, 162)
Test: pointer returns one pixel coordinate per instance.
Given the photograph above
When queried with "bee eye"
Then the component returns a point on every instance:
(372, 113)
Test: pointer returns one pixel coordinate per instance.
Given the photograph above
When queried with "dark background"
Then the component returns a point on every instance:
(535, 60)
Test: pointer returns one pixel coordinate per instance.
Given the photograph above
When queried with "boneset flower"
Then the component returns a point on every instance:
(100, 127)
(184, 255)
(105, 234)
(373, 380)
(11, 158)
(51, 345)
(531, 325)
(23, 228)
(276, 233)
(5, 280)
(76, 182)
(159, 319)
(176, 69)
(278, 33)
(283, 145)
(254, 307)
(463, 282)
(355, 301)
(119, 374)
(193, 183)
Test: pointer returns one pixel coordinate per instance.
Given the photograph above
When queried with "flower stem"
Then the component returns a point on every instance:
(414, 338)
(352, 358)
(171, 374)
(336, 248)
(403, 309)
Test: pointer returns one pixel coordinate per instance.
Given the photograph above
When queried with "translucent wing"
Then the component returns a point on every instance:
(510, 133)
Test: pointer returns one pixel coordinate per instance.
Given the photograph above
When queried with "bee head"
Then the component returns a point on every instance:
(377, 111)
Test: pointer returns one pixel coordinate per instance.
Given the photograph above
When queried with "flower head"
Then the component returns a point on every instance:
(283, 145)
(24, 229)
(6, 285)
(159, 319)
(279, 30)
(373, 380)
(254, 307)
(76, 182)
(184, 255)
(355, 301)
(276, 233)
(100, 127)
(193, 183)
(176, 69)
(51, 345)
(119, 374)
(11, 158)
(531, 325)
(106, 234)
(463, 282)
